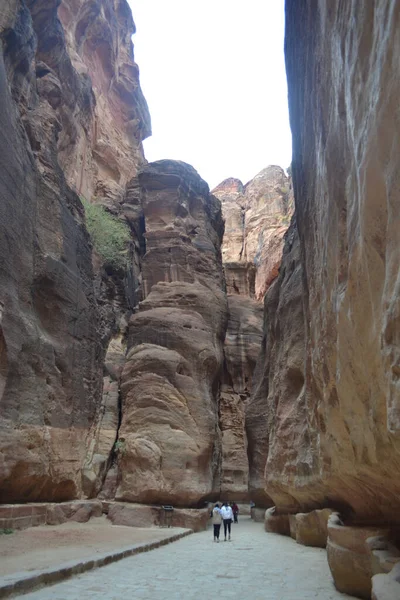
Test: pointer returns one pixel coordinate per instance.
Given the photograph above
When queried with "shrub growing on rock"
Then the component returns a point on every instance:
(110, 236)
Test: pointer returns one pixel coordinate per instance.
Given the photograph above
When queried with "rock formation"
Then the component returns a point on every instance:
(53, 331)
(241, 349)
(101, 150)
(323, 422)
(341, 422)
(170, 382)
(255, 217)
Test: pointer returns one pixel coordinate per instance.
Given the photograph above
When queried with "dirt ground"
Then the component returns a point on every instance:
(47, 546)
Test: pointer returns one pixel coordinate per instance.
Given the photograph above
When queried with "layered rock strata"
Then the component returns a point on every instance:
(53, 329)
(170, 441)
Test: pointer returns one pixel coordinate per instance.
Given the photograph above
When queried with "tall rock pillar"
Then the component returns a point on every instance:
(169, 435)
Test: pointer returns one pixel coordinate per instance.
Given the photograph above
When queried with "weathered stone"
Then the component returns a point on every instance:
(79, 511)
(99, 160)
(312, 527)
(293, 526)
(276, 523)
(241, 348)
(349, 557)
(324, 423)
(275, 438)
(171, 443)
(384, 554)
(256, 217)
(257, 514)
(141, 515)
(56, 128)
(133, 515)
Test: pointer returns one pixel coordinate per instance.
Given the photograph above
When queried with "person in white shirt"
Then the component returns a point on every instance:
(227, 516)
(216, 520)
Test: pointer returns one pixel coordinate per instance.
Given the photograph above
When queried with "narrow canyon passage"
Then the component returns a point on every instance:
(253, 565)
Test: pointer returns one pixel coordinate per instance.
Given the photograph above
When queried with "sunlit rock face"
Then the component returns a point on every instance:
(334, 439)
(100, 149)
(170, 382)
(54, 325)
(256, 217)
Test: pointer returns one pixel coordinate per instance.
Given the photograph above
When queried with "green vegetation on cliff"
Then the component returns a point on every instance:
(109, 235)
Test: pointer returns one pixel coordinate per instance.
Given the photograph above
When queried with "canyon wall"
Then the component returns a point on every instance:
(100, 149)
(169, 434)
(328, 413)
(56, 317)
(256, 217)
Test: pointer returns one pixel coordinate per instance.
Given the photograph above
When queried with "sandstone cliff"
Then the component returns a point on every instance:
(59, 124)
(256, 217)
(327, 403)
(169, 435)
(100, 149)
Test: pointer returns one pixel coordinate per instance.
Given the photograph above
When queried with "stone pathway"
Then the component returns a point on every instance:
(255, 564)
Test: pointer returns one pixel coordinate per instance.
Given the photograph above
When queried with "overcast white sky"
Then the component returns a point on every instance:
(213, 75)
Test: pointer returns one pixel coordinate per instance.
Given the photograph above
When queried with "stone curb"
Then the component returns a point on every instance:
(22, 583)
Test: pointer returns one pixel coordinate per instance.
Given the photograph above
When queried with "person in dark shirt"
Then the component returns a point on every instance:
(235, 510)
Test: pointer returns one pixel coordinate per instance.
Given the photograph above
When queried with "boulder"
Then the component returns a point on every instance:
(312, 527)
(257, 514)
(276, 523)
(349, 557)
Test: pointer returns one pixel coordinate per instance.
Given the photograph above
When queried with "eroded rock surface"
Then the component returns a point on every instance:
(102, 150)
(332, 438)
(256, 217)
(170, 382)
(241, 349)
(53, 331)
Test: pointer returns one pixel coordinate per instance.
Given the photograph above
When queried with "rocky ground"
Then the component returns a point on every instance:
(253, 565)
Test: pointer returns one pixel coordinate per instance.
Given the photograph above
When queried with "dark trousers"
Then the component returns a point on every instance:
(227, 526)
(216, 531)
(235, 517)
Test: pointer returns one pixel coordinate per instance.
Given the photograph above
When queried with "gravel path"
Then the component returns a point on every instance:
(254, 565)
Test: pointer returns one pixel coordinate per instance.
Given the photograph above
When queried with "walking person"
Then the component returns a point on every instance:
(235, 510)
(227, 516)
(216, 520)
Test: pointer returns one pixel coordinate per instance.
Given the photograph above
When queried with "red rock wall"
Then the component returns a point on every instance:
(334, 440)
(50, 353)
(102, 151)
(169, 436)
(255, 221)
(256, 217)
(57, 315)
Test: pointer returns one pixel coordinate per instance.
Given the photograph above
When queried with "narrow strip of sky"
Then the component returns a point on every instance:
(213, 74)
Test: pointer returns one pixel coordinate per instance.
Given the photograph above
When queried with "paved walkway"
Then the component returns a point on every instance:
(254, 565)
